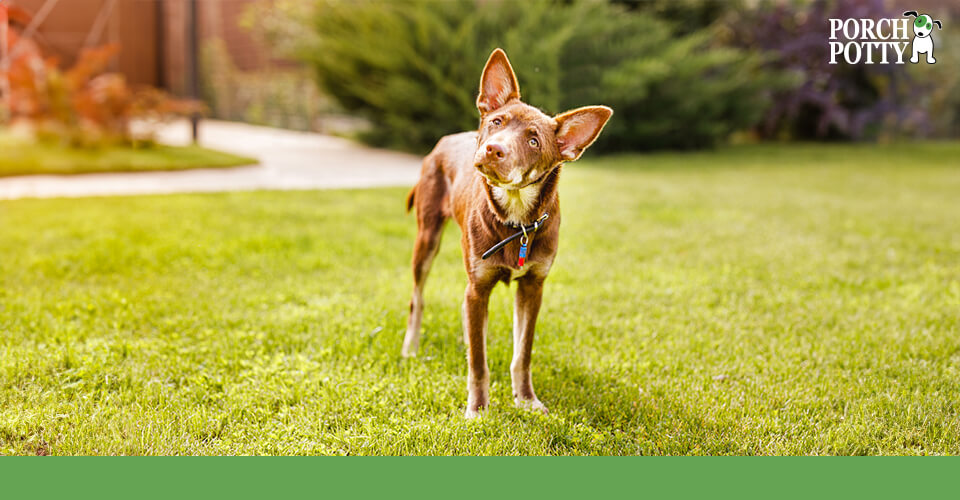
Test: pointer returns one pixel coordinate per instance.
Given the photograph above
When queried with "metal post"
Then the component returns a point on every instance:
(161, 49)
(193, 78)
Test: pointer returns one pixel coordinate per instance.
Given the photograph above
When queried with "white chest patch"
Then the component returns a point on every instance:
(516, 203)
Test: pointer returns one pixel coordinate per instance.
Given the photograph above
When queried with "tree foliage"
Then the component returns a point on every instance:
(412, 67)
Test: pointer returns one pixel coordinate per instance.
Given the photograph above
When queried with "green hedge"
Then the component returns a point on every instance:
(412, 67)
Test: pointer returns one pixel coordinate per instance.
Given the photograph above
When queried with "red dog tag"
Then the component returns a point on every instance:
(523, 252)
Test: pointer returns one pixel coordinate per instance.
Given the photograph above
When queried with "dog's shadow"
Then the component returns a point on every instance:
(629, 408)
(614, 412)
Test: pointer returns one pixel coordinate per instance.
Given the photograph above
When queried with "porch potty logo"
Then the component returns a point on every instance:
(857, 41)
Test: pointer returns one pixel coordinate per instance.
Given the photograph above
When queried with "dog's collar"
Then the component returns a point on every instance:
(523, 230)
(533, 226)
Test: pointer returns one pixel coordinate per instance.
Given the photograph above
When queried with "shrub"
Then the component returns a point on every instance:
(412, 67)
(944, 99)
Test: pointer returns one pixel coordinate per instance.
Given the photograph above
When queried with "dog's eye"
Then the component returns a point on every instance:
(497, 122)
(919, 22)
(929, 25)
(533, 142)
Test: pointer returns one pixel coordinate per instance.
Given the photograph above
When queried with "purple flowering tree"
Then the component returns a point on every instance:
(829, 101)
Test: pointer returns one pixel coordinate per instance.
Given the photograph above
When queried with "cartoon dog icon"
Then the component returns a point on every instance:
(922, 41)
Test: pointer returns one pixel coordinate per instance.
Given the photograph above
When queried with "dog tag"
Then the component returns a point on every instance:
(523, 252)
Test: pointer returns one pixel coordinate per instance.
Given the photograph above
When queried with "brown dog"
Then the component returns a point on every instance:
(497, 182)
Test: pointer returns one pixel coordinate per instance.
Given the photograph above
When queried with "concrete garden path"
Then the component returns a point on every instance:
(288, 160)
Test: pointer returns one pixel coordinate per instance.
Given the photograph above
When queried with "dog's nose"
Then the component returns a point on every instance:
(495, 151)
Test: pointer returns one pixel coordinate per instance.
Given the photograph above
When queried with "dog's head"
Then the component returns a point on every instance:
(518, 144)
(923, 25)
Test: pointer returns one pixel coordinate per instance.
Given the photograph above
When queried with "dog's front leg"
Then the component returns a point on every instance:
(476, 299)
(526, 307)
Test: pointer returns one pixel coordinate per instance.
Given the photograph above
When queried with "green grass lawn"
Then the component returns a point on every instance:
(754, 300)
(19, 157)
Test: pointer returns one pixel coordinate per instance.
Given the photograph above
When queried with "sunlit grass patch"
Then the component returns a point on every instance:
(756, 300)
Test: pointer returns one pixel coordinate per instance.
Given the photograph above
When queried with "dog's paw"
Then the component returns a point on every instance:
(473, 414)
(530, 404)
(411, 344)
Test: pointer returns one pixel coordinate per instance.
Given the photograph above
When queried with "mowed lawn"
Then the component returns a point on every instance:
(753, 300)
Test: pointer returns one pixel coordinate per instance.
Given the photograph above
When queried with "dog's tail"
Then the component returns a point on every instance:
(411, 197)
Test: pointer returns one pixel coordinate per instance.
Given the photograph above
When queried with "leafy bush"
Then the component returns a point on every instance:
(944, 98)
(686, 16)
(412, 67)
(834, 101)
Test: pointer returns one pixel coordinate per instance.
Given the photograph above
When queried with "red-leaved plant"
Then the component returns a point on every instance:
(84, 105)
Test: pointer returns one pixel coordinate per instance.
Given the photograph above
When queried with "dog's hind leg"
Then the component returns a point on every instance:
(428, 197)
(428, 243)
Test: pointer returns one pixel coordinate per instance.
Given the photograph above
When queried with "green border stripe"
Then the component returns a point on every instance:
(477, 477)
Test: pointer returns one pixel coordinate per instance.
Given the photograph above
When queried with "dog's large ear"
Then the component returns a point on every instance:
(577, 129)
(911, 13)
(939, 26)
(498, 83)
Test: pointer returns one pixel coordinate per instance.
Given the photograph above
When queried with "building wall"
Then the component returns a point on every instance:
(152, 35)
(221, 18)
(215, 19)
(131, 23)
